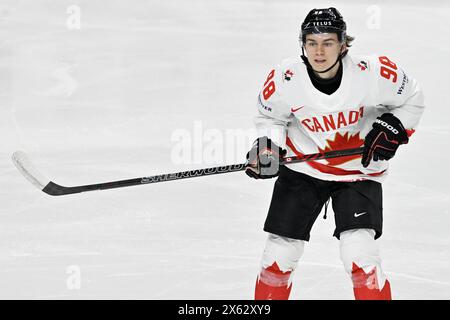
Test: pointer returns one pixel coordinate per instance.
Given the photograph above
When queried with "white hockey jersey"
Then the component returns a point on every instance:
(303, 120)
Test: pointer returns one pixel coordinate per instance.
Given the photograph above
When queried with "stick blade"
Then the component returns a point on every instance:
(28, 170)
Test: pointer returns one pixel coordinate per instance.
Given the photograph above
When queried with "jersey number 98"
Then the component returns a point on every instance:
(388, 68)
(269, 86)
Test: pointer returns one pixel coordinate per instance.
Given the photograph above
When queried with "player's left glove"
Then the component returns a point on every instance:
(382, 141)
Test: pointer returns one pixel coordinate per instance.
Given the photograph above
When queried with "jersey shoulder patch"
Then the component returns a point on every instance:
(362, 63)
(290, 68)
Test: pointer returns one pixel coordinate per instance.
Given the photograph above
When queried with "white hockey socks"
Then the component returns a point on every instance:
(279, 261)
(360, 255)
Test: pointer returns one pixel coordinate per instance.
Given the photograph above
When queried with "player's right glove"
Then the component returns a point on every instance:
(382, 141)
(263, 160)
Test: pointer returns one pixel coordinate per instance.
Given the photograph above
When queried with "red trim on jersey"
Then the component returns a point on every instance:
(410, 132)
(326, 168)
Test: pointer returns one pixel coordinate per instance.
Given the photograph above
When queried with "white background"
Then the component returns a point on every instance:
(101, 103)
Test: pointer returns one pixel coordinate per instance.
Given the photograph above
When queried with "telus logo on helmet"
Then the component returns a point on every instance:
(321, 23)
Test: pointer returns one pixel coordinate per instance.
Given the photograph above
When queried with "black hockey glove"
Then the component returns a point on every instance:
(263, 160)
(382, 141)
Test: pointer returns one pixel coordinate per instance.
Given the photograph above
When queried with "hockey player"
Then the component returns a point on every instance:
(328, 100)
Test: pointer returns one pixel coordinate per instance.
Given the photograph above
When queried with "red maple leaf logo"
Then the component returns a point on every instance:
(341, 142)
(366, 286)
(288, 75)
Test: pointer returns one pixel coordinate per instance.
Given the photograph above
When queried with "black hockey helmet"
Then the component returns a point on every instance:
(328, 20)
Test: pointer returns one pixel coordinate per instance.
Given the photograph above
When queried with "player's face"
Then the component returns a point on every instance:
(322, 50)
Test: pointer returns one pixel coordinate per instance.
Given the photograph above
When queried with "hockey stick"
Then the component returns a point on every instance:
(25, 166)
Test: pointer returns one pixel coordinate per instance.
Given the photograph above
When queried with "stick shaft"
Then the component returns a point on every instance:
(54, 189)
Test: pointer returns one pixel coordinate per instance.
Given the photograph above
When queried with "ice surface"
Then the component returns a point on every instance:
(102, 102)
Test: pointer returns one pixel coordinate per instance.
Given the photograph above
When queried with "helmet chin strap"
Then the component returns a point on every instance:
(309, 66)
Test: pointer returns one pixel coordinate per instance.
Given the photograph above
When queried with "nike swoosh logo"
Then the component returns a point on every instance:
(359, 214)
(296, 109)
